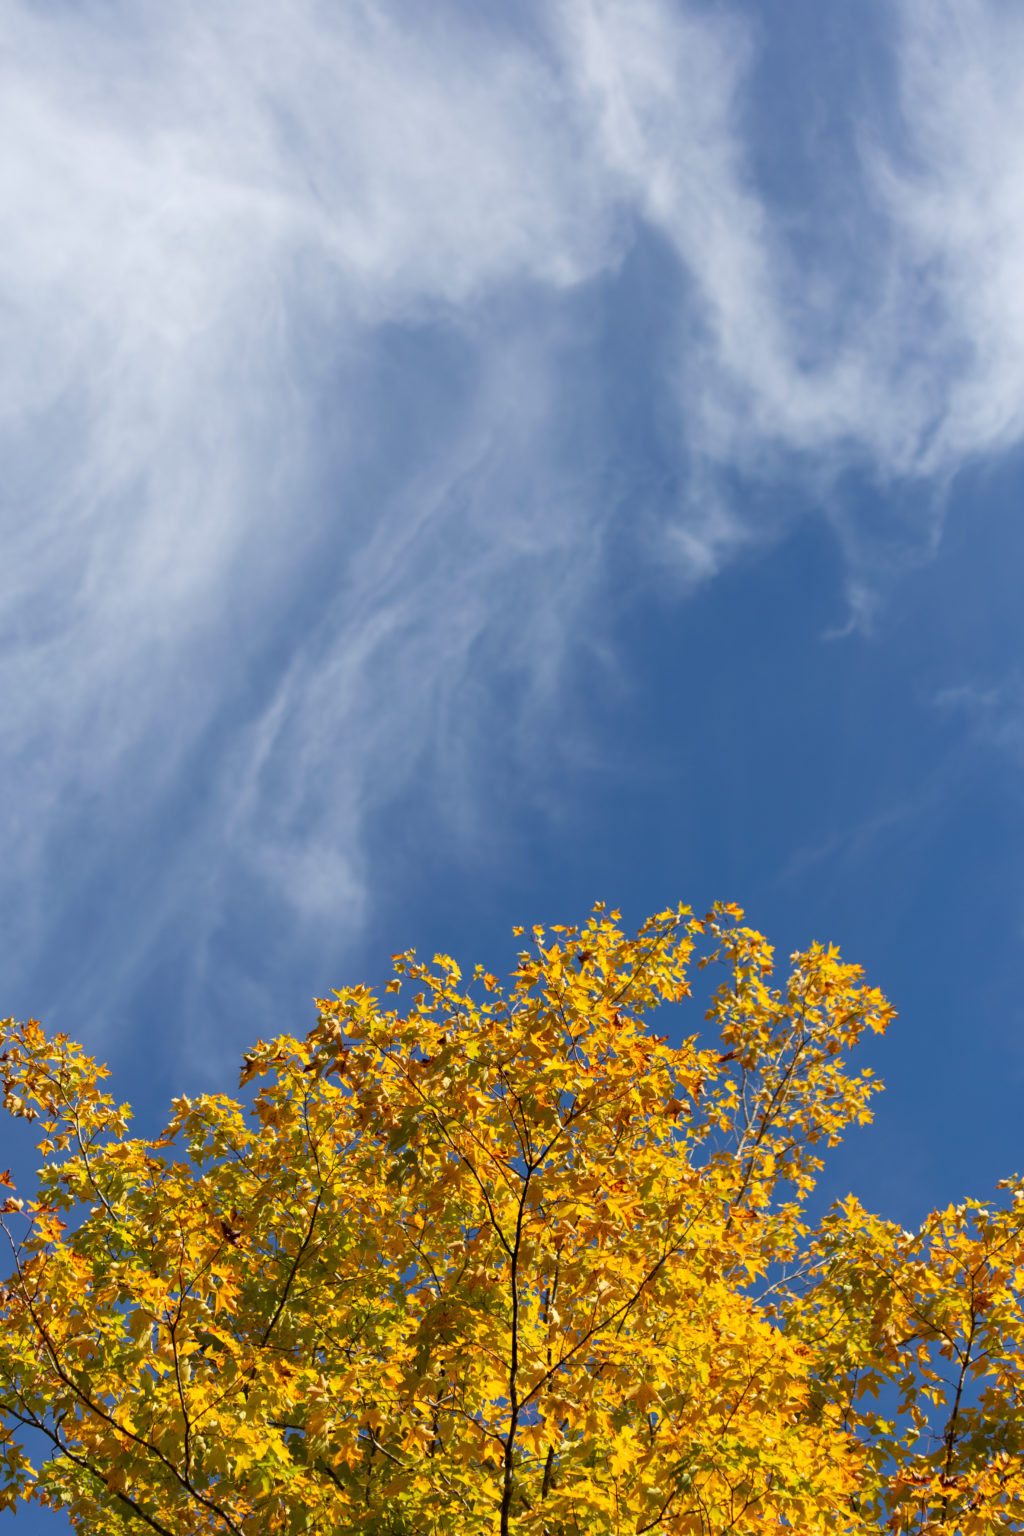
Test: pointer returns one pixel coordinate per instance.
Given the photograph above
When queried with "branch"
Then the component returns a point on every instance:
(108, 1418)
(293, 1271)
(80, 1461)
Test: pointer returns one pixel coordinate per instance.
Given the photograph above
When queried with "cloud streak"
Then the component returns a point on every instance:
(308, 450)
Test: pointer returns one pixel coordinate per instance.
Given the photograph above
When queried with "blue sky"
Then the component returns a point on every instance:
(462, 462)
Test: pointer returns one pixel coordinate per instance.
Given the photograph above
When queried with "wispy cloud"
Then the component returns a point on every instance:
(995, 713)
(954, 193)
(788, 367)
(302, 443)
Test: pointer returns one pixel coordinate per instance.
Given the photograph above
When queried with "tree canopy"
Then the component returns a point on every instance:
(484, 1260)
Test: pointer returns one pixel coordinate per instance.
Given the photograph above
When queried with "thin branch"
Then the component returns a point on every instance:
(80, 1461)
(108, 1418)
(293, 1271)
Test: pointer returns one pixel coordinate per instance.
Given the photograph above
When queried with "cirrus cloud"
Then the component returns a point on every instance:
(305, 403)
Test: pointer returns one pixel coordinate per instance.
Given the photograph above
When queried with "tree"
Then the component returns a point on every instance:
(487, 1262)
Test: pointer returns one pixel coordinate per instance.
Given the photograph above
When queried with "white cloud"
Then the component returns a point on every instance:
(214, 220)
(928, 370)
(208, 213)
(994, 713)
(956, 198)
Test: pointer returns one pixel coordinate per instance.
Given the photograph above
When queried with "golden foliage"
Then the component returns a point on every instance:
(484, 1261)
